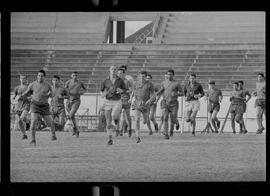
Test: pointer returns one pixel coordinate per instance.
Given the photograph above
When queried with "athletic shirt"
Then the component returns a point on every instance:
(191, 91)
(214, 94)
(170, 90)
(126, 95)
(40, 92)
(142, 91)
(19, 90)
(74, 89)
(111, 88)
(260, 90)
(56, 92)
(237, 94)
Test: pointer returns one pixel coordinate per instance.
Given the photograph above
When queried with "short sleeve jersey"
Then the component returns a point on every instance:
(171, 89)
(143, 91)
(190, 91)
(260, 89)
(19, 90)
(74, 88)
(40, 91)
(56, 92)
(111, 88)
(214, 94)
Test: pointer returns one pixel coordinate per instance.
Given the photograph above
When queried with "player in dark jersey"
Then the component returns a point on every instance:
(215, 97)
(75, 89)
(40, 91)
(153, 106)
(23, 105)
(171, 90)
(260, 93)
(58, 95)
(245, 93)
(125, 96)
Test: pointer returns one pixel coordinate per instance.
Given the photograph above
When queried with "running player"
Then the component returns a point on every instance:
(171, 90)
(143, 90)
(215, 98)
(237, 107)
(153, 106)
(125, 96)
(245, 93)
(41, 91)
(23, 105)
(57, 102)
(111, 89)
(193, 90)
(75, 88)
(260, 93)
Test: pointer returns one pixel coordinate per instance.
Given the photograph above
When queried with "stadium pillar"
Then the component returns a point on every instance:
(120, 37)
(111, 32)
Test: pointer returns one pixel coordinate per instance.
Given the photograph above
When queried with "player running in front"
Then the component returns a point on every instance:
(143, 90)
(260, 93)
(40, 91)
(171, 90)
(111, 89)
(75, 89)
(215, 98)
(23, 105)
(193, 90)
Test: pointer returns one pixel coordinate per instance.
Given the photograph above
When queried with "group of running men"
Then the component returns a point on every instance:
(121, 94)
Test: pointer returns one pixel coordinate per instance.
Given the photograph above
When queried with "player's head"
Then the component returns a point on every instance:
(148, 77)
(240, 83)
(123, 67)
(56, 80)
(113, 70)
(192, 77)
(40, 76)
(260, 77)
(235, 85)
(166, 77)
(170, 73)
(74, 75)
(121, 73)
(211, 83)
(142, 76)
(23, 79)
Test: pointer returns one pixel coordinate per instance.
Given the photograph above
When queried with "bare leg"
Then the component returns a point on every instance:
(34, 118)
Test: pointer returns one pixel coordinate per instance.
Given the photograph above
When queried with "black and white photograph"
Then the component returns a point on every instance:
(137, 96)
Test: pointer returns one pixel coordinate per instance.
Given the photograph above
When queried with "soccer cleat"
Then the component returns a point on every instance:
(193, 133)
(53, 138)
(171, 133)
(77, 134)
(24, 137)
(216, 131)
(156, 127)
(188, 120)
(177, 126)
(129, 133)
(110, 142)
(150, 132)
(245, 131)
(234, 132)
(166, 136)
(259, 131)
(218, 124)
(138, 140)
(33, 142)
(121, 133)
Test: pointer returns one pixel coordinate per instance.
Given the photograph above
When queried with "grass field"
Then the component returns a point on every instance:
(205, 157)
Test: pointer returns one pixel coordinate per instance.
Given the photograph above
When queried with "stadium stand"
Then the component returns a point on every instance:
(231, 50)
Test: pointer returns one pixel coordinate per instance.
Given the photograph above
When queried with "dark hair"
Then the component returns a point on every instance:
(121, 69)
(149, 75)
(241, 81)
(42, 71)
(261, 74)
(192, 74)
(170, 71)
(57, 77)
(74, 72)
(143, 73)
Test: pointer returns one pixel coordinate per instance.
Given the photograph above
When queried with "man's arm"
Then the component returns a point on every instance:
(83, 89)
(201, 92)
(15, 93)
(249, 96)
(28, 91)
(220, 96)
